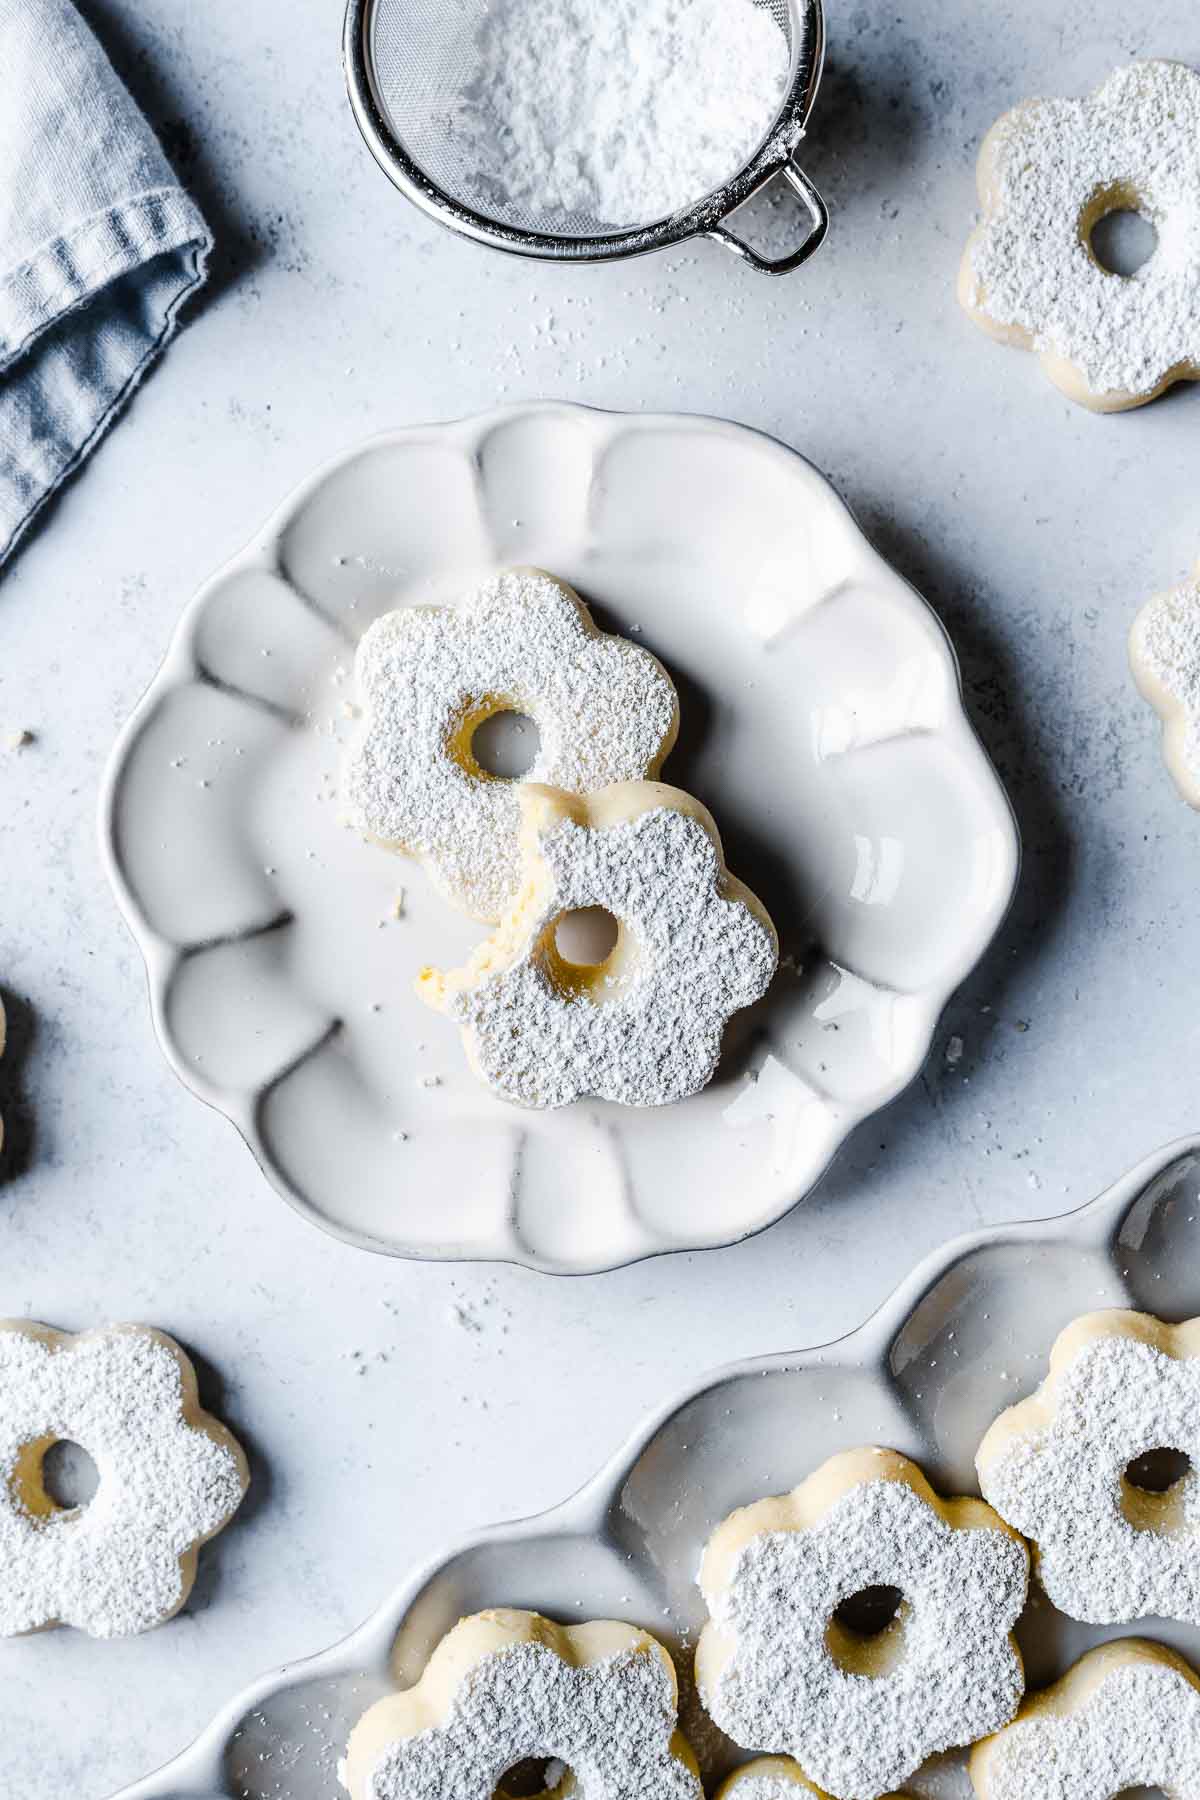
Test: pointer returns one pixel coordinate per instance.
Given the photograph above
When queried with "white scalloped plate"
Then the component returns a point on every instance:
(966, 1335)
(822, 723)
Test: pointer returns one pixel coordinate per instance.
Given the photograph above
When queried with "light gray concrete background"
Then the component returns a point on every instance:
(387, 1407)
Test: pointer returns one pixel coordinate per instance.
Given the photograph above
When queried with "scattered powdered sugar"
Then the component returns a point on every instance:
(111, 1568)
(1061, 1484)
(620, 112)
(957, 1676)
(605, 711)
(1166, 646)
(1139, 134)
(610, 1722)
(697, 957)
(1140, 1727)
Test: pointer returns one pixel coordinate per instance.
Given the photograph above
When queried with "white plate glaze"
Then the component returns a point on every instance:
(966, 1335)
(822, 723)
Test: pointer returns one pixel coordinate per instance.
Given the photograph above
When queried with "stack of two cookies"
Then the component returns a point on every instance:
(588, 827)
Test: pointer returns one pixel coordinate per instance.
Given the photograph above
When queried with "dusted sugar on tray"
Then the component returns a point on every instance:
(598, 1701)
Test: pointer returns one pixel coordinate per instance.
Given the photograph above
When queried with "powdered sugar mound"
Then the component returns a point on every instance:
(697, 957)
(957, 1677)
(620, 112)
(1140, 1727)
(113, 1567)
(1138, 134)
(1061, 1484)
(1165, 645)
(611, 1723)
(605, 711)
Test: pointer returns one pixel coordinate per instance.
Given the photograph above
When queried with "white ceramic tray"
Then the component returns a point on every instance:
(966, 1335)
(822, 723)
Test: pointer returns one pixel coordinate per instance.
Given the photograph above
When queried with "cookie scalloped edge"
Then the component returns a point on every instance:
(1176, 718)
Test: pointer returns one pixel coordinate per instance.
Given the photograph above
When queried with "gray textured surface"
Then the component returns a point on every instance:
(1035, 528)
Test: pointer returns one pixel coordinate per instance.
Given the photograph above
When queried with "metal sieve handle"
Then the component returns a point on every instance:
(818, 214)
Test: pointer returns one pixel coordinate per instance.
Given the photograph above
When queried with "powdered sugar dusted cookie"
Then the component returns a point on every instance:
(780, 1667)
(1126, 1717)
(170, 1478)
(1058, 1468)
(428, 677)
(598, 1701)
(644, 1026)
(1049, 171)
(1164, 653)
(771, 1778)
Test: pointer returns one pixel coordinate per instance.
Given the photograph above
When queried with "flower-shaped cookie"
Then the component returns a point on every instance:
(1164, 653)
(1049, 171)
(597, 1701)
(170, 1477)
(1126, 1717)
(644, 1026)
(779, 1670)
(1057, 1467)
(605, 711)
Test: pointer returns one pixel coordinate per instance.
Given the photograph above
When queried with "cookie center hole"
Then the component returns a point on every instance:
(865, 1636)
(506, 745)
(870, 1611)
(586, 937)
(532, 1776)
(1158, 1470)
(1140, 1793)
(1123, 241)
(69, 1475)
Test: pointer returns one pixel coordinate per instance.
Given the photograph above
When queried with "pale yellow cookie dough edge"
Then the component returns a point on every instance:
(972, 293)
(804, 1508)
(1173, 715)
(1070, 1693)
(429, 1702)
(781, 1769)
(542, 808)
(26, 1475)
(1031, 1416)
(459, 748)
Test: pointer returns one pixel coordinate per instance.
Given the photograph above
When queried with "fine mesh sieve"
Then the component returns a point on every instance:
(407, 60)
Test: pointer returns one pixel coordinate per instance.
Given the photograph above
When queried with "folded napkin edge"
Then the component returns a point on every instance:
(53, 407)
(72, 268)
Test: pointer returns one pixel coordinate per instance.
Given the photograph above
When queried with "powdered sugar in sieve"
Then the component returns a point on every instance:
(580, 115)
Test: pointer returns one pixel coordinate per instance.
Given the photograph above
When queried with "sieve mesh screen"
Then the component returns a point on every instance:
(423, 54)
